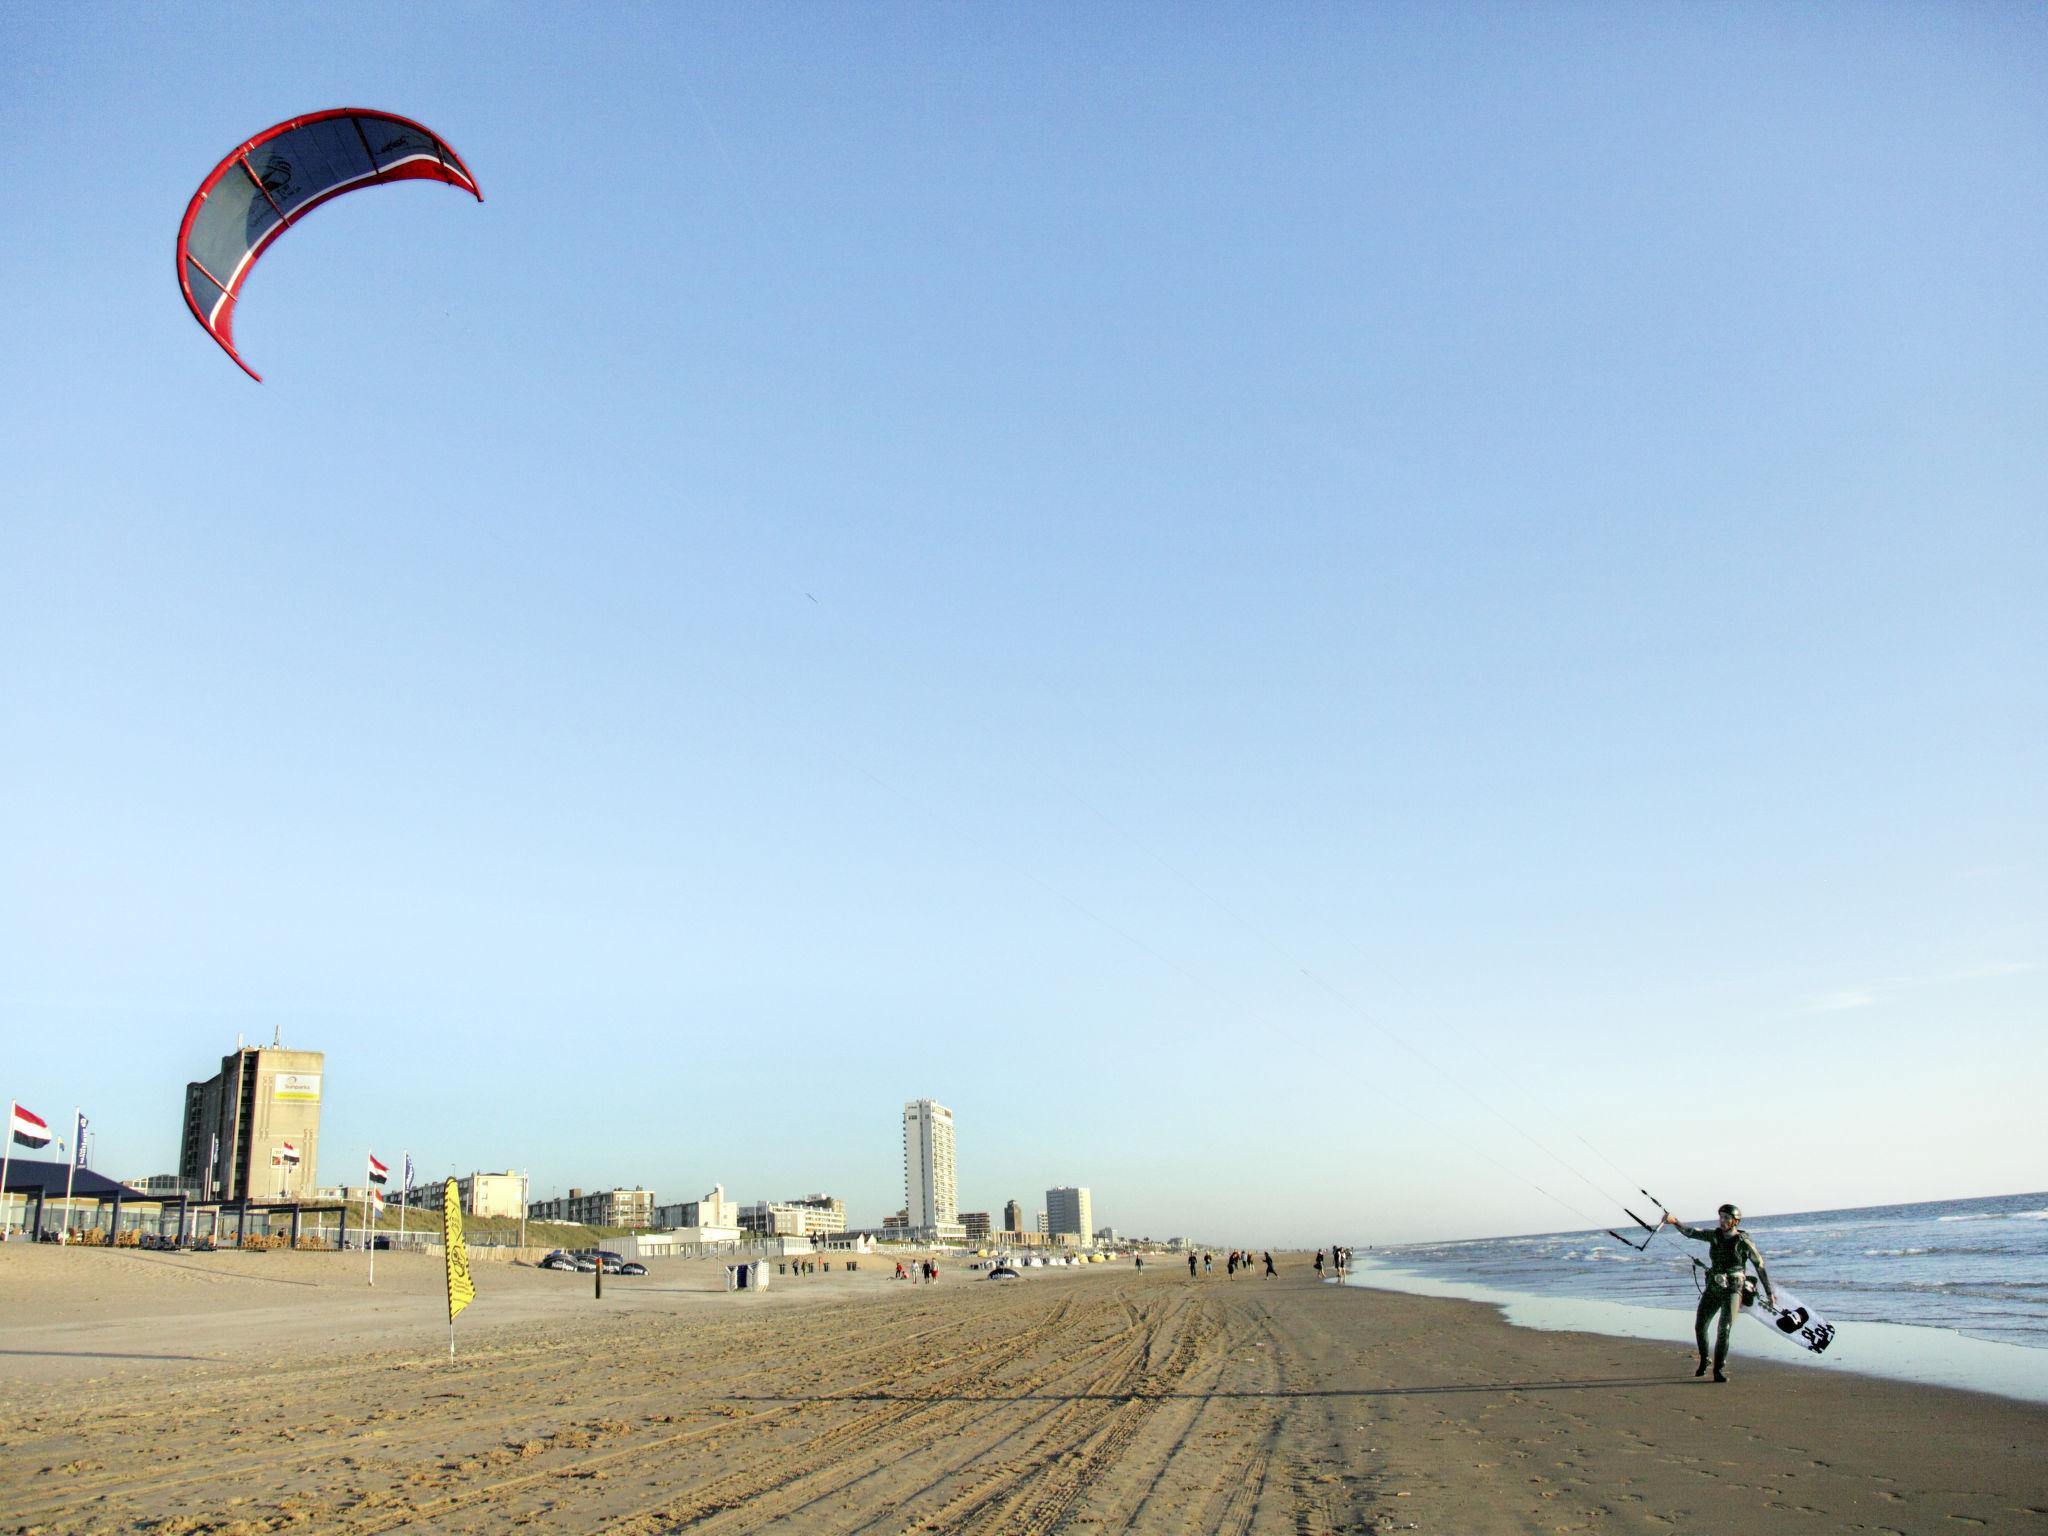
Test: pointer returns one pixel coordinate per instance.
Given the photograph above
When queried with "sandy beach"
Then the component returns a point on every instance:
(239, 1393)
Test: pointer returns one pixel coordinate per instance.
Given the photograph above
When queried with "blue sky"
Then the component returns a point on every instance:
(1261, 604)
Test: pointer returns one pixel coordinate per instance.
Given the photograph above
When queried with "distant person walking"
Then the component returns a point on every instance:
(1319, 1263)
(1191, 1266)
(1270, 1270)
(1729, 1252)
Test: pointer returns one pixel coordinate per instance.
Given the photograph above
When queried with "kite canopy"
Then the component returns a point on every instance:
(268, 184)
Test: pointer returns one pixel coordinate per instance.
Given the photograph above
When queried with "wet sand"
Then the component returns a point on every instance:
(239, 1393)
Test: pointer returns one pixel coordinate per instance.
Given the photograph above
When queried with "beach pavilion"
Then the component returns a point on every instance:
(42, 1185)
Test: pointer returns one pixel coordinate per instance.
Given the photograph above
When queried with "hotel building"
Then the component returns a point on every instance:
(931, 1191)
(252, 1130)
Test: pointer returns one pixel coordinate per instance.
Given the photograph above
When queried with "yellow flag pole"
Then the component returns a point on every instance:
(461, 1289)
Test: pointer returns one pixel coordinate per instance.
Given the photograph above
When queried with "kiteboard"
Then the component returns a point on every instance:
(1791, 1318)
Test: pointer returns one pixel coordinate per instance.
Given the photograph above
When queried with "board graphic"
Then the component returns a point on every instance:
(1791, 1318)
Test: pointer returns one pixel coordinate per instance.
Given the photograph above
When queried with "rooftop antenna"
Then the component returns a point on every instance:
(277, 1037)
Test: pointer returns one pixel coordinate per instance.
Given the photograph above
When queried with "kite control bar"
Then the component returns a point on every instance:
(1650, 1227)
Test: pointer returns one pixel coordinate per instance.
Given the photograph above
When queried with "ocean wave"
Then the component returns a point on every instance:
(1977, 1216)
(2030, 1215)
(1893, 1253)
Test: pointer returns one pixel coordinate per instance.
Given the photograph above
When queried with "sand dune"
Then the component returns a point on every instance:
(239, 1393)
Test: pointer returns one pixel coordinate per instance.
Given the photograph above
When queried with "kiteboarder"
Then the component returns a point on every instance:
(1729, 1250)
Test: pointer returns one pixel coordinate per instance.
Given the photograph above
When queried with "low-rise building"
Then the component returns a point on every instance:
(809, 1216)
(598, 1208)
(481, 1194)
(713, 1210)
(168, 1185)
(977, 1225)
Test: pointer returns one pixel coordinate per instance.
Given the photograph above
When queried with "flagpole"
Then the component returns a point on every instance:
(6, 1154)
(369, 1233)
(404, 1194)
(77, 1142)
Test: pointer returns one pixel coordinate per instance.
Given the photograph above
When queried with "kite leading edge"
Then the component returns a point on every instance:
(266, 185)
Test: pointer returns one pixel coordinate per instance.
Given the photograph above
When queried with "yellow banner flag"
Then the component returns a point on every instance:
(461, 1289)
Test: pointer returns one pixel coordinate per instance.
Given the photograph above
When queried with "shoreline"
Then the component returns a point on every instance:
(1933, 1357)
(268, 1390)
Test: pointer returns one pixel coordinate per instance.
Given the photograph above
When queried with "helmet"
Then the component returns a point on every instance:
(1732, 1210)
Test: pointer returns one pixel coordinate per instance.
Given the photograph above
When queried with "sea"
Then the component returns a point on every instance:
(1947, 1292)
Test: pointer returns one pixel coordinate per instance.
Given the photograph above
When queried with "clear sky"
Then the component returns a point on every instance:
(1307, 613)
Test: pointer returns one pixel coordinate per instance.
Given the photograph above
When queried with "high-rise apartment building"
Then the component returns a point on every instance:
(252, 1130)
(1013, 1216)
(1069, 1212)
(931, 1190)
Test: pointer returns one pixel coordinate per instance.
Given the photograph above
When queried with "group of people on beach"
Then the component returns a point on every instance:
(1236, 1259)
(1340, 1260)
(922, 1272)
(1241, 1258)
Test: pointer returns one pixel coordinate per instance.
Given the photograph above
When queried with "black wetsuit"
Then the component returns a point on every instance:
(1727, 1253)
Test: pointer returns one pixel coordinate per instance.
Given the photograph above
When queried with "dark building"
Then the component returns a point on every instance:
(253, 1128)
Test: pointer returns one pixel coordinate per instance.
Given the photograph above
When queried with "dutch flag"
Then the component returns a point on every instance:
(28, 1128)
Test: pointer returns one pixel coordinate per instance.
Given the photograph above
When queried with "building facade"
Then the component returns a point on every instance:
(810, 1216)
(977, 1225)
(481, 1194)
(598, 1208)
(252, 1130)
(713, 1210)
(1013, 1217)
(931, 1190)
(1069, 1212)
